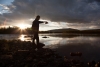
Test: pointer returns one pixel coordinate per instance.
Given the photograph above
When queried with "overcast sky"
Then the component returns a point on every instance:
(78, 14)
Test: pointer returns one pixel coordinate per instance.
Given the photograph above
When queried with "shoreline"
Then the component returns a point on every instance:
(16, 53)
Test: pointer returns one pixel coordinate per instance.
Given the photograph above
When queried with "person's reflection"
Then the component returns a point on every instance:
(35, 29)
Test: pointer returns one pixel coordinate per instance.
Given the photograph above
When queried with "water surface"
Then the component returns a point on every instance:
(64, 45)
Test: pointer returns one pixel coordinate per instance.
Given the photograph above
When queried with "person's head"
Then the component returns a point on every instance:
(37, 17)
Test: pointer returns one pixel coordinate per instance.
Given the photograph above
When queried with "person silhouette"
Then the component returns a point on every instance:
(35, 29)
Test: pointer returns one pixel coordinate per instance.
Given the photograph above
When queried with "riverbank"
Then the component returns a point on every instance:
(16, 53)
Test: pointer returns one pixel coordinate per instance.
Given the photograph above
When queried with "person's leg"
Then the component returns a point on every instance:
(34, 37)
(33, 41)
(37, 38)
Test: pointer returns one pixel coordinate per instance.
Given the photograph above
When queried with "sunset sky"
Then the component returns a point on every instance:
(78, 14)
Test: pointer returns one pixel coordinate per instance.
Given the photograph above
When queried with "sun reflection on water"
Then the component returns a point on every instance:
(25, 38)
(22, 37)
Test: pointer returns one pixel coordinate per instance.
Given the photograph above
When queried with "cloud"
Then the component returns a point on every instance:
(4, 7)
(93, 1)
(70, 11)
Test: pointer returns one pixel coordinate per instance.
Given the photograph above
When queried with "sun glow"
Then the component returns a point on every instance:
(22, 26)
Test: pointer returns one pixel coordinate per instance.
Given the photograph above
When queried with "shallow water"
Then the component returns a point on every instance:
(89, 46)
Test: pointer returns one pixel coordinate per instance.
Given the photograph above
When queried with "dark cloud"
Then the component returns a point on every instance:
(72, 11)
(93, 0)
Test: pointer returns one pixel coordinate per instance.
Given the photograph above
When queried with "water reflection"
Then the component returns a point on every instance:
(90, 52)
(88, 45)
(22, 37)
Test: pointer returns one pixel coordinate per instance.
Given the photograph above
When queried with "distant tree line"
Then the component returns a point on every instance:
(17, 30)
(14, 30)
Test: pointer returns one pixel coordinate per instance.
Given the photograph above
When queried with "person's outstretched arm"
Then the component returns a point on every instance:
(43, 22)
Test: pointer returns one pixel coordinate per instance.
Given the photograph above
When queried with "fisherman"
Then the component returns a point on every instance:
(35, 29)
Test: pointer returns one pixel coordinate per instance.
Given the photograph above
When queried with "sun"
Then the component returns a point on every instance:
(22, 26)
